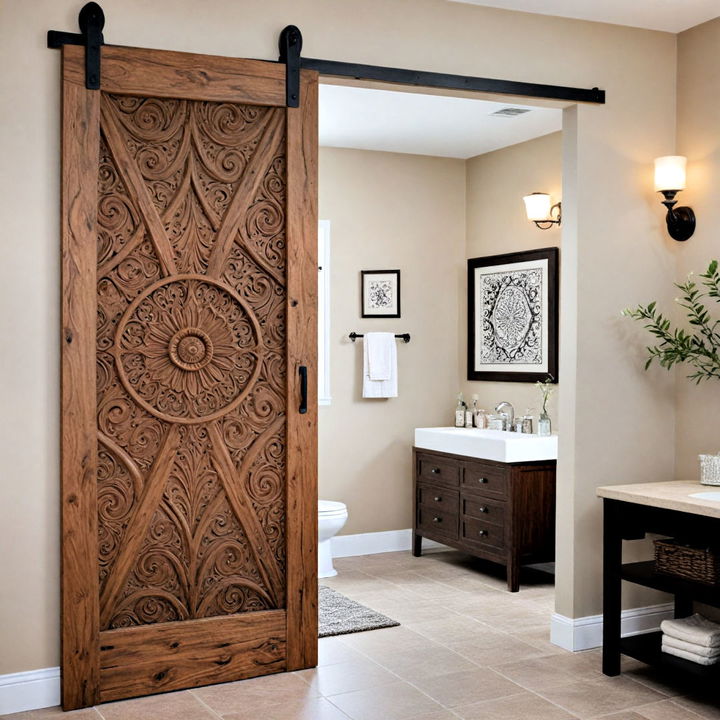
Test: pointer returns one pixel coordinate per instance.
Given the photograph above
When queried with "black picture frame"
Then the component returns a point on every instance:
(552, 255)
(364, 274)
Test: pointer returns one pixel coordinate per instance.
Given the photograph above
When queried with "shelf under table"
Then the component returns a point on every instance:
(647, 649)
(643, 573)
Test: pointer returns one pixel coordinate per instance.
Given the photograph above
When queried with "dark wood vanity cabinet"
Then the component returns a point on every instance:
(503, 512)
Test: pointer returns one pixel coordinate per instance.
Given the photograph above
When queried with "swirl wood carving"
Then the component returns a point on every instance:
(191, 360)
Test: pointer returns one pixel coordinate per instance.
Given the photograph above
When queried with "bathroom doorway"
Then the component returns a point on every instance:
(415, 181)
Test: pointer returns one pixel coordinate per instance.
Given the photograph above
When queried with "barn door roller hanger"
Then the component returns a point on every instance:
(92, 20)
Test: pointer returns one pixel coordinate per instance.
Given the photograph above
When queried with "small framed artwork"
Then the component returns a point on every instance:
(513, 316)
(380, 293)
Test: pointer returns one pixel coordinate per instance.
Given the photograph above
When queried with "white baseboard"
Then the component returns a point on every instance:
(29, 690)
(585, 633)
(376, 542)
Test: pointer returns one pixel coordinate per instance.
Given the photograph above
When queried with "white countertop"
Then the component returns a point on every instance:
(497, 445)
(672, 495)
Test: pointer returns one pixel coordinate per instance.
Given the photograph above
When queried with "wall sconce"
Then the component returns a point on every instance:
(670, 180)
(540, 210)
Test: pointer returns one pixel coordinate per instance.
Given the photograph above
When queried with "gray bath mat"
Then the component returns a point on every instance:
(339, 615)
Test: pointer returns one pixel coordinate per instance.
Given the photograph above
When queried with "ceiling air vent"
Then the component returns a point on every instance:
(510, 112)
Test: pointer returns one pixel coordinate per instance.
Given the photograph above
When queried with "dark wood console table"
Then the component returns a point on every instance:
(629, 513)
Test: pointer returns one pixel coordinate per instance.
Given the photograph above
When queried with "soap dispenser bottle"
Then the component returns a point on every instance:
(460, 412)
(475, 410)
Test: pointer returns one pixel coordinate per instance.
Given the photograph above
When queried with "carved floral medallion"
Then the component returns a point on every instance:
(188, 349)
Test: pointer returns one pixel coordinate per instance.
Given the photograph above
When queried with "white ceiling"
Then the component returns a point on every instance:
(669, 15)
(370, 119)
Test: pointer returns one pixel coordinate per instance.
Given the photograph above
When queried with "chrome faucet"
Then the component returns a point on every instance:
(509, 414)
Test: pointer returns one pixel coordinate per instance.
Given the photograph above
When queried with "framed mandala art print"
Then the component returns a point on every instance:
(513, 316)
(380, 293)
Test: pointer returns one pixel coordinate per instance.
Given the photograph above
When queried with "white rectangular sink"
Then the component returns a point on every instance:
(497, 445)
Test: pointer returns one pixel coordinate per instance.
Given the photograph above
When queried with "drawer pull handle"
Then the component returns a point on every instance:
(437, 519)
(482, 533)
(437, 498)
(484, 509)
(482, 481)
(435, 471)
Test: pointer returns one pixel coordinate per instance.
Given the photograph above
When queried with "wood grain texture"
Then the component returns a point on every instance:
(245, 513)
(138, 524)
(80, 135)
(167, 74)
(171, 656)
(133, 182)
(253, 176)
(302, 608)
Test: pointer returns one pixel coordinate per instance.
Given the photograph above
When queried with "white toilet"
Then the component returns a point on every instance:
(331, 518)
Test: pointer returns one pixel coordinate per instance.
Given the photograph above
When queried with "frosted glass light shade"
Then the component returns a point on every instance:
(537, 206)
(670, 172)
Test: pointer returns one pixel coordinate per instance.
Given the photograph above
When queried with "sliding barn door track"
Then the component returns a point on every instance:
(92, 20)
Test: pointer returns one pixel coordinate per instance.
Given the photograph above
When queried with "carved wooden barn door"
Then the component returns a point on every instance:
(189, 313)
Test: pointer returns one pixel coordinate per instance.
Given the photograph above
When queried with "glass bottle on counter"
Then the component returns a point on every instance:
(460, 412)
(479, 415)
(544, 425)
(471, 414)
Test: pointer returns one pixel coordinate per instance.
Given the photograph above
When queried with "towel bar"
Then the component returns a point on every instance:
(405, 337)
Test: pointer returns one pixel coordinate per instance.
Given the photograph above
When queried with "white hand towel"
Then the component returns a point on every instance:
(380, 366)
(693, 657)
(694, 629)
(707, 652)
(379, 348)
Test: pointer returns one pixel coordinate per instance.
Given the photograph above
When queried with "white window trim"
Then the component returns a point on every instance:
(324, 396)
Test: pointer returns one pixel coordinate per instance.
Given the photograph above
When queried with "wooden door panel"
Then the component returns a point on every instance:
(176, 655)
(78, 458)
(201, 478)
(168, 74)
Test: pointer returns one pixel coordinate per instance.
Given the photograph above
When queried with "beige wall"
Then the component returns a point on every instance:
(612, 240)
(497, 223)
(698, 406)
(389, 210)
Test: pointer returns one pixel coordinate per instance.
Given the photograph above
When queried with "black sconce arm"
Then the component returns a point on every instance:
(554, 219)
(680, 220)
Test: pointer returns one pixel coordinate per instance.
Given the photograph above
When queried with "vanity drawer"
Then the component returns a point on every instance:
(483, 533)
(438, 469)
(434, 496)
(437, 521)
(489, 511)
(484, 479)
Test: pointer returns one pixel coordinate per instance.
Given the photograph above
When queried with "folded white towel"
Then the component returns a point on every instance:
(380, 361)
(694, 629)
(379, 347)
(693, 657)
(708, 652)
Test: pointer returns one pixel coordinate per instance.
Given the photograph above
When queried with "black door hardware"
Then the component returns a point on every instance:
(303, 389)
(91, 20)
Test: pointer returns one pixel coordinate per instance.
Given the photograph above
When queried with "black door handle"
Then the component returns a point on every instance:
(303, 389)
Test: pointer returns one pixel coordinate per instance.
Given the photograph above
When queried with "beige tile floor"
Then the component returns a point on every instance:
(466, 649)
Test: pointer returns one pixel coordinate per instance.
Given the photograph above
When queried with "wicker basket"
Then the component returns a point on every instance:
(673, 557)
